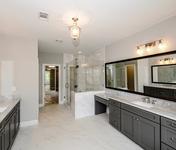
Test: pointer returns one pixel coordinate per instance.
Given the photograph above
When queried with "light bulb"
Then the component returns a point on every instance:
(149, 48)
(173, 61)
(161, 61)
(139, 51)
(167, 61)
(75, 32)
(161, 45)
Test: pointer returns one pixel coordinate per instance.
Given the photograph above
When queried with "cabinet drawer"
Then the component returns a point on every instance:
(101, 100)
(142, 113)
(168, 123)
(165, 147)
(168, 136)
(114, 102)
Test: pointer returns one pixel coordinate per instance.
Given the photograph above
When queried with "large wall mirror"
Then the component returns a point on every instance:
(133, 74)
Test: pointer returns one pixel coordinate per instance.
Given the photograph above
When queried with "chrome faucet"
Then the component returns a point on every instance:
(146, 99)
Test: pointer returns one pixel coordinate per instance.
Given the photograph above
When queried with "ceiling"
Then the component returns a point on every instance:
(102, 21)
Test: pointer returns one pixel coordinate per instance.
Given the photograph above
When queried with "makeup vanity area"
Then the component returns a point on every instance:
(141, 98)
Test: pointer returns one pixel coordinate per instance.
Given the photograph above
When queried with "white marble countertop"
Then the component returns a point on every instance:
(162, 107)
(9, 103)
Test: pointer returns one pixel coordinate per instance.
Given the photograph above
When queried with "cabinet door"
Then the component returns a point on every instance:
(149, 134)
(7, 135)
(114, 116)
(13, 127)
(2, 140)
(18, 118)
(129, 124)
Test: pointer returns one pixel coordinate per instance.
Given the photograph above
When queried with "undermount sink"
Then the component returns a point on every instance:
(143, 104)
(2, 109)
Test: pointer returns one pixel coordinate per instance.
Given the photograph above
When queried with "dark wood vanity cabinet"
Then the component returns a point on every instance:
(114, 114)
(9, 128)
(129, 125)
(149, 134)
(140, 126)
(168, 132)
(2, 140)
(149, 130)
(142, 131)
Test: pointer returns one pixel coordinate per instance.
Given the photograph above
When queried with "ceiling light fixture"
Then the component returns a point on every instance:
(75, 29)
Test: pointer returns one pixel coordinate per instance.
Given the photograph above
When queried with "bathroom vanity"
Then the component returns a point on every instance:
(9, 123)
(143, 107)
(152, 126)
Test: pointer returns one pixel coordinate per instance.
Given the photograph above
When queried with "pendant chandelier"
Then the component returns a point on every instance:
(75, 29)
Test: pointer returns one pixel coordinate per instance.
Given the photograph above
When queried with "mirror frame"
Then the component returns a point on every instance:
(131, 59)
(160, 82)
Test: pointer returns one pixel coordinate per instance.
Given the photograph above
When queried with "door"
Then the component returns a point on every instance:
(129, 125)
(130, 77)
(7, 135)
(114, 116)
(149, 134)
(2, 140)
(13, 127)
(18, 118)
(50, 84)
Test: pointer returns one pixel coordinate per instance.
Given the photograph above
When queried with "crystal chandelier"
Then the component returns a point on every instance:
(75, 29)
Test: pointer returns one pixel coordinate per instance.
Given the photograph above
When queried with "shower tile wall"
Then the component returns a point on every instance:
(90, 74)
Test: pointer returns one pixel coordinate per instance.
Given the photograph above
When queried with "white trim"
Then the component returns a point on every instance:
(59, 80)
(28, 123)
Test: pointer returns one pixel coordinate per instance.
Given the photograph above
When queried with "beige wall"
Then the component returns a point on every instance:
(126, 48)
(24, 54)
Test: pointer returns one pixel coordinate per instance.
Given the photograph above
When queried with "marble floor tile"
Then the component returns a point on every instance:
(57, 130)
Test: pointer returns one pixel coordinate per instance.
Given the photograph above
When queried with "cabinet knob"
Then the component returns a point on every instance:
(137, 119)
(173, 139)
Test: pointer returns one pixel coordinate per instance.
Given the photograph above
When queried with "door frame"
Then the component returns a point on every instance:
(43, 81)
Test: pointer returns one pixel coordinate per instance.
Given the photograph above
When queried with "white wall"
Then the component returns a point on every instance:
(6, 78)
(23, 52)
(49, 58)
(126, 48)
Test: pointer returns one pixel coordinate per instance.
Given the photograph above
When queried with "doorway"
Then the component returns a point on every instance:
(131, 77)
(50, 85)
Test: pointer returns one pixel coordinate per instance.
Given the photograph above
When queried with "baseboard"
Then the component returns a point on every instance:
(28, 123)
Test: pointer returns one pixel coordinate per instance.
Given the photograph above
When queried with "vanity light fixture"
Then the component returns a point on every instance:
(167, 61)
(148, 47)
(75, 29)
